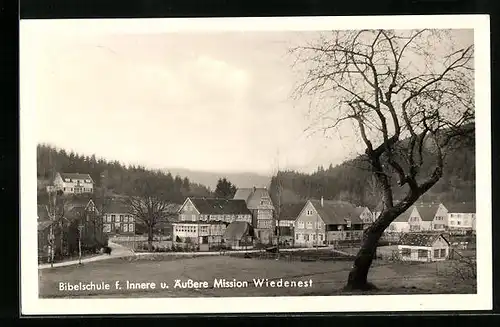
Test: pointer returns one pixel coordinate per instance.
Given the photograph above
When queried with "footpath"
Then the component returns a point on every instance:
(120, 251)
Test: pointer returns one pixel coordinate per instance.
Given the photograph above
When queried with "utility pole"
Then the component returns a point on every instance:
(279, 207)
(80, 227)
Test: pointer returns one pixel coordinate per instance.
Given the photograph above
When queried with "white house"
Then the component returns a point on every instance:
(421, 217)
(423, 247)
(461, 216)
(74, 183)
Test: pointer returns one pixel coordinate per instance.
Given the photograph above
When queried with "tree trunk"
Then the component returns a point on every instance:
(358, 277)
(150, 238)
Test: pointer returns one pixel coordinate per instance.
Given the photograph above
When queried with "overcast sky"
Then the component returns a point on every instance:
(201, 101)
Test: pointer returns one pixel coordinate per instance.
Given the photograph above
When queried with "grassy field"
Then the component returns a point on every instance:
(327, 278)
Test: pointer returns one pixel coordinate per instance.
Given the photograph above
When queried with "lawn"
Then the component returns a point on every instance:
(327, 278)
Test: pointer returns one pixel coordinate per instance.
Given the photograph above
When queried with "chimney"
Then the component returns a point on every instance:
(254, 189)
(321, 201)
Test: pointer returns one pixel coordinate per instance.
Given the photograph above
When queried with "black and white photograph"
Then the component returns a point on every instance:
(318, 164)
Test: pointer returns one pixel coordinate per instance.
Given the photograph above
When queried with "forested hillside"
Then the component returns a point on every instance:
(114, 176)
(352, 180)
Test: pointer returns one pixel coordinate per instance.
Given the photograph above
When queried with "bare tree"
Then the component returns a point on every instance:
(149, 204)
(407, 94)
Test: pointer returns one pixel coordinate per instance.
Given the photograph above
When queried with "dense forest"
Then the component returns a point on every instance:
(115, 177)
(353, 181)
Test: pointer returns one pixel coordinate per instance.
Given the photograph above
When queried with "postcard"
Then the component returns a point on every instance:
(237, 165)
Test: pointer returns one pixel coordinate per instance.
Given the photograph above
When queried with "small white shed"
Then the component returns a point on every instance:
(424, 247)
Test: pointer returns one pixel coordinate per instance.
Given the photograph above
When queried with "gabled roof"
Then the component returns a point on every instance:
(405, 216)
(461, 207)
(76, 176)
(360, 210)
(291, 211)
(43, 212)
(252, 197)
(217, 206)
(336, 212)
(420, 239)
(427, 211)
(237, 230)
(117, 207)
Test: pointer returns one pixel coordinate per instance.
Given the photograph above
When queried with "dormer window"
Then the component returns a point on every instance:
(309, 212)
(348, 223)
(66, 179)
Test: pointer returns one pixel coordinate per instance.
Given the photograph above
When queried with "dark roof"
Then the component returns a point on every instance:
(405, 216)
(117, 207)
(336, 212)
(76, 176)
(43, 212)
(461, 207)
(359, 210)
(237, 230)
(252, 197)
(291, 211)
(427, 211)
(216, 206)
(42, 225)
(420, 239)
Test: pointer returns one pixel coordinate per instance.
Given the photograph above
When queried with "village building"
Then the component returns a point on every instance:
(117, 220)
(461, 216)
(365, 215)
(288, 213)
(204, 220)
(73, 183)
(238, 235)
(419, 218)
(259, 203)
(423, 247)
(325, 222)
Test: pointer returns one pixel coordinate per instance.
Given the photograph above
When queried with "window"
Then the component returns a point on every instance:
(319, 225)
(125, 219)
(113, 217)
(297, 236)
(309, 213)
(121, 218)
(64, 189)
(125, 228)
(309, 225)
(193, 217)
(348, 223)
(117, 225)
(436, 253)
(458, 222)
(423, 253)
(414, 228)
(406, 252)
(314, 237)
(443, 253)
(306, 237)
(320, 237)
(300, 224)
(66, 179)
(130, 219)
(106, 228)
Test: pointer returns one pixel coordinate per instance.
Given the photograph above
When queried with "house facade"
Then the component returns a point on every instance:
(420, 218)
(117, 220)
(325, 222)
(288, 213)
(365, 215)
(258, 201)
(423, 247)
(461, 216)
(74, 183)
(204, 220)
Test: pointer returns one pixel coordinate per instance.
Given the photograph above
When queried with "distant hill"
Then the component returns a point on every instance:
(210, 179)
(352, 180)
